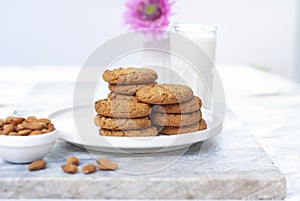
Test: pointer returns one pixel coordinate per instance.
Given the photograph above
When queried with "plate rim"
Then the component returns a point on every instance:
(116, 140)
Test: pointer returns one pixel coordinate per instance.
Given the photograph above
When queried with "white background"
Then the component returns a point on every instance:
(64, 32)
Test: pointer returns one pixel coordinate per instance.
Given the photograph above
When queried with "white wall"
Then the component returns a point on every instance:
(257, 32)
(65, 32)
(58, 32)
(296, 69)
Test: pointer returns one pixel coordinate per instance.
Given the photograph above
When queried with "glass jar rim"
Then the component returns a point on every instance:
(181, 27)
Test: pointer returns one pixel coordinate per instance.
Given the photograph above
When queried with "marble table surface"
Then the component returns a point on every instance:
(269, 106)
(231, 166)
(266, 107)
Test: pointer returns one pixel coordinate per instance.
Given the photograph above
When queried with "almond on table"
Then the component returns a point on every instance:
(37, 165)
(89, 168)
(72, 160)
(106, 164)
(69, 168)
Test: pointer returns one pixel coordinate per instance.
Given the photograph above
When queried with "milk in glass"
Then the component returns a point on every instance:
(199, 74)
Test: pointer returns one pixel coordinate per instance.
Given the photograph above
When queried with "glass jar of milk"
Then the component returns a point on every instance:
(204, 36)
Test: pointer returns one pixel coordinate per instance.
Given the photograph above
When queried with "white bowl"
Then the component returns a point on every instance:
(25, 149)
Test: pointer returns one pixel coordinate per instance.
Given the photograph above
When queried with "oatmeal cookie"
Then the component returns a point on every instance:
(122, 124)
(185, 107)
(122, 108)
(151, 131)
(173, 130)
(162, 94)
(130, 75)
(126, 89)
(114, 96)
(163, 119)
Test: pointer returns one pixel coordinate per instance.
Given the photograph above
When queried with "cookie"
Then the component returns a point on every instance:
(113, 96)
(127, 89)
(185, 107)
(129, 76)
(163, 119)
(121, 108)
(151, 131)
(162, 94)
(173, 130)
(122, 124)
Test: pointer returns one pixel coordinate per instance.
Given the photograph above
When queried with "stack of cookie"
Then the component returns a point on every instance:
(135, 97)
(175, 109)
(121, 114)
(124, 82)
(124, 118)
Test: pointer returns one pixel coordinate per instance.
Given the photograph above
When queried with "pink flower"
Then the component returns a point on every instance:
(153, 14)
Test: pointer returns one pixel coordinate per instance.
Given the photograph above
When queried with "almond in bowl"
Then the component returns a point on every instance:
(23, 140)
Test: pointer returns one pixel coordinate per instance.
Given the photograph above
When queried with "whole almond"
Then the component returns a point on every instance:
(14, 120)
(69, 168)
(31, 119)
(14, 134)
(72, 160)
(89, 168)
(44, 120)
(51, 127)
(36, 132)
(19, 127)
(24, 132)
(106, 164)
(37, 165)
(34, 126)
(7, 128)
(2, 122)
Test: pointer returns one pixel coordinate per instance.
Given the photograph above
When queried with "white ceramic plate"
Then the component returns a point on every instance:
(64, 121)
